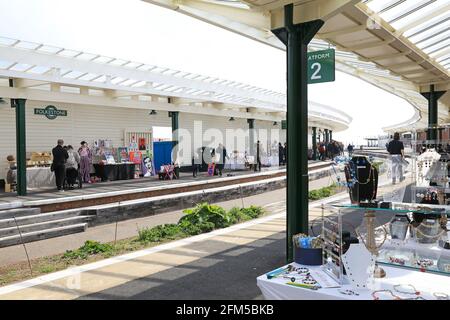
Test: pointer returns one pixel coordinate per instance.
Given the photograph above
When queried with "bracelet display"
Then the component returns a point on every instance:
(441, 296)
(398, 288)
(348, 292)
(375, 297)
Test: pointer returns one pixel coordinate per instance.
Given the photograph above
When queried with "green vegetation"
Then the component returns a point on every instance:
(323, 192)
(377, 165)
(159, 233)
(89, 248)
(202, 218)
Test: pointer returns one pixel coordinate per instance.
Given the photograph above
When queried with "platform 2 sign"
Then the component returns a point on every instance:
(321, 66)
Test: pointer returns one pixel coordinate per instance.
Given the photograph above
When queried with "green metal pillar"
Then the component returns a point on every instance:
(251, 137)
(314, 142)
(327, 136)
(21, 147)
(432, 97)
(296, 38)
(331, 134)
(175, 139)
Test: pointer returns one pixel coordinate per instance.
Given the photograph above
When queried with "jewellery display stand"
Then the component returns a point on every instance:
(362, 180)
(430, 170)
(421, 249)
(359, 264)
(332, 244)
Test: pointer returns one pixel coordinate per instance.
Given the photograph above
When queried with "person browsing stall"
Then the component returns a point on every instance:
(72, 166)
(60, 157)
(397, 152)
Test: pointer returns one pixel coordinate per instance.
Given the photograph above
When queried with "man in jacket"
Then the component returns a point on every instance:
(222, 153)
(60, 156)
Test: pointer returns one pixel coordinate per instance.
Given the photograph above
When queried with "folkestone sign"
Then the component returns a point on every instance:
(51, 112)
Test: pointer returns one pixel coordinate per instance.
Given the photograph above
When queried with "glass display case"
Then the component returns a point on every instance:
(405, 235)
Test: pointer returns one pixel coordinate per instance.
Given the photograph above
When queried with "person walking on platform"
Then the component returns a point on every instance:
(258, 158)
(195, 164)
(322, 151)
(350, 149)
(397, 152)
(285, 154)
(222, 155)
(85, 161)
(280, 154)
(60, 157)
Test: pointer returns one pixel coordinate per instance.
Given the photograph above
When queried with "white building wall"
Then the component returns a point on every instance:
(211, 131)
(82, 123)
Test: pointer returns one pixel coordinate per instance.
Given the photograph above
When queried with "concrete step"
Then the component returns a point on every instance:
(42, 234)
(10, 231)
(38, 218)
(18, 212)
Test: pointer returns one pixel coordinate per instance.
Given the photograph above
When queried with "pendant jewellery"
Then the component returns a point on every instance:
(441, 296)
(400, 289)
(375, 297)
(348, 292)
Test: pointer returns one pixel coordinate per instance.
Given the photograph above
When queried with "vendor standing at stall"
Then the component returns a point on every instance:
(397, 152)
(85, 161)
(60, 157)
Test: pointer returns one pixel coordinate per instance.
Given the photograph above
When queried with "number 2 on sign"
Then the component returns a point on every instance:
(316, 67)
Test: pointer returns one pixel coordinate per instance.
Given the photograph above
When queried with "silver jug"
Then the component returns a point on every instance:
(398, 227)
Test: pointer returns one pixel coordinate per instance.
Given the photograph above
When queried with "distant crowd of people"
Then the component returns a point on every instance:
(69, 164)
(330, 150)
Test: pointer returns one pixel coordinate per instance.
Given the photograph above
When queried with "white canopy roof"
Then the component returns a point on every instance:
(401, 46)
(47, 73)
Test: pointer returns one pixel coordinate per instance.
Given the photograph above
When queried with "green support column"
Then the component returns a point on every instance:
(432, 97)
(21, 147)
(175, 138)
(327, 136)
(331, 135)
(251, 137)
(314, 142)
(296, 38)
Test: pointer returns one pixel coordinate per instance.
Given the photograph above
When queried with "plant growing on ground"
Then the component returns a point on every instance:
(253, 211)
(89, 248)
(322, 192)
(159, 233)
(204, 213)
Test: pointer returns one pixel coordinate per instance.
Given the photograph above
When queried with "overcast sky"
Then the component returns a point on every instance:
(136, 30)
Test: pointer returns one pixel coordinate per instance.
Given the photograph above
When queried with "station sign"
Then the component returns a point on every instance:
(321, 66)
(51, 112)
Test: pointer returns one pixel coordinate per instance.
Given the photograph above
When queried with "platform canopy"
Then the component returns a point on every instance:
(401, 46)
(46, 73)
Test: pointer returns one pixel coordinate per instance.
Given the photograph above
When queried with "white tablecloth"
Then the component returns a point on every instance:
(39, 177)
(237, 164)
(426, 283)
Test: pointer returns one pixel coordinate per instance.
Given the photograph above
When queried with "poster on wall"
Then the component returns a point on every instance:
(136, 157)
(123, 154)
(147, 167)
(142, 144)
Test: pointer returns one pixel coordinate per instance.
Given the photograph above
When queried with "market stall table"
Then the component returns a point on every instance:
(427, 284)
(117, 171)
(39, 177)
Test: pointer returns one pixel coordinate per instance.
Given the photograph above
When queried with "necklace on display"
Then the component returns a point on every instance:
(375, 297)
(348, 292)
(403, 288)
(441, 296)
